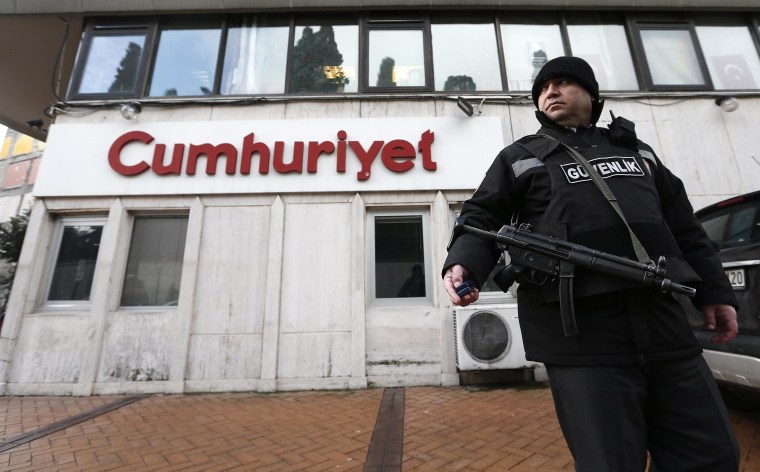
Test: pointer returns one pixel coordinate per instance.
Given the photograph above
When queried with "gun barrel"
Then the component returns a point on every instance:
(583, 256)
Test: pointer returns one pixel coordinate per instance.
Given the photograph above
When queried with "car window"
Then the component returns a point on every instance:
(733, 226)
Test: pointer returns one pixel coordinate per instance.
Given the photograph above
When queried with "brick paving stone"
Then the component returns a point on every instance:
(444, 429)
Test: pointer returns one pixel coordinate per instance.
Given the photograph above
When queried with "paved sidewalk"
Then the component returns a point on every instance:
(438, 429)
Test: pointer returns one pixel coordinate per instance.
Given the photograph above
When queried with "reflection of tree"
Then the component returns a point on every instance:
(385, 76)
(316, 62)
(459, 83)
(172, 92)
(538, 59)
(126, 73)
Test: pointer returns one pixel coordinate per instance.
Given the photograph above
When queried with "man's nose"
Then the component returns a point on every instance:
(551, 89)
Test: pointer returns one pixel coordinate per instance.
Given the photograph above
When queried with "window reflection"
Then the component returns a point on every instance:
(605, 48)
(671, 57)
(255, 58)
(185, 62)
(325, 59)
(399, 257)
(112, 64)
(526, 49)
(396, 58)
(154, 263)
(737, 67)
(465, 57)
(75, 266)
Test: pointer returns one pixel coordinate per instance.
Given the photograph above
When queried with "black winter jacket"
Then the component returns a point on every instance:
(537, 181)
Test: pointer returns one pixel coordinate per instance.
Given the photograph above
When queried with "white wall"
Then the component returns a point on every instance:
(274, 286)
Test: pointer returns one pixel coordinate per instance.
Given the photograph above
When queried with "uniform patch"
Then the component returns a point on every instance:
(606, 166)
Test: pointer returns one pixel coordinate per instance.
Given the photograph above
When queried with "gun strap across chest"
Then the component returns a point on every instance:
(641, 253)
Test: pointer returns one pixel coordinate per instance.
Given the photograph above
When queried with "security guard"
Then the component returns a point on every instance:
(633, 380)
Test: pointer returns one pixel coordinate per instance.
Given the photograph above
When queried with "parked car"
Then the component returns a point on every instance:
(733, 225)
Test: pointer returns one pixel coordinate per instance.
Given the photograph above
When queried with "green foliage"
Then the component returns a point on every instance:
(12, 234)
(126, 73)
(459, 83)
(316, 62)
(385, 75)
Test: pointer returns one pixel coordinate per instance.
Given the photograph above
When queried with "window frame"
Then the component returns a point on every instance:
(187, 23)
(51, 259)
(371, 285)
(103, 27)
(133, 216)
(637, 25)
(408, 23)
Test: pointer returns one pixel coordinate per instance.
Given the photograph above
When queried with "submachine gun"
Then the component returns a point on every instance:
(558, 258)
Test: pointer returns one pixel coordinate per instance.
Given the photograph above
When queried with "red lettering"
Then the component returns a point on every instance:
(424, 146)
(397, 155)
(296, 165)
(249, 149)
(342, 151)
(114, 154)
(365, 157)
(212, 154)
(315, 150)
(175, 166)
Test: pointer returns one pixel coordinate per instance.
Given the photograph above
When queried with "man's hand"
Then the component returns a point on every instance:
(722, 320)
(454, 277)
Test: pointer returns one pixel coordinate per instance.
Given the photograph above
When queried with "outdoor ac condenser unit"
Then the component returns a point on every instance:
(488, 337)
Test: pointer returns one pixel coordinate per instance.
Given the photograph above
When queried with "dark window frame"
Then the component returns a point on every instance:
(150, 27)
(637, 25)
(388, 24)
(114, 27)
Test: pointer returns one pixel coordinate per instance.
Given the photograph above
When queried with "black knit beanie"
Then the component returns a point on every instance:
(567, 66)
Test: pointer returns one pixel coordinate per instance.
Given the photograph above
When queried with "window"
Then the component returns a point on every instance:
(396, 55)
(186, 60)
(605, 47)
(154, 263)
(112, 61)
(465, 57)
(255, 57)
(671, 56)
(528, 45)
(325, 58)
(76, 244)
(737, 67)
(399, 52)
(399, 255)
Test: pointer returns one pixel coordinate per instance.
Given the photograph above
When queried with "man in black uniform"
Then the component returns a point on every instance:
(633, 380)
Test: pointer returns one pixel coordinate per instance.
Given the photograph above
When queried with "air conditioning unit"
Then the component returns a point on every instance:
(489, 337)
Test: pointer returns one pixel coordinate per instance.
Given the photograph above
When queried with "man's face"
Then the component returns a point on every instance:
(565, 102)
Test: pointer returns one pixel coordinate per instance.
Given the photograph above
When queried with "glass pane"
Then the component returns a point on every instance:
(185, 62)
(154, 264)
(255, 58)
(399, 257)
(605, 48)
(671, 57)
(737, 67)
(112, 64)
(75, 266)
(325, 59)
(526, 49)
(396, 58)
(465, 58)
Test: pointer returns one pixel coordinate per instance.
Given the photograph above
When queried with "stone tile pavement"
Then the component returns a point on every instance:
(410, 429)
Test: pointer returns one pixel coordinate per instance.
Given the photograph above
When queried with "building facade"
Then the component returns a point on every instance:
(259, 197)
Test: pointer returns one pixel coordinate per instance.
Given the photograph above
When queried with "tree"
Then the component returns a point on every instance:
(316, 62)
(385, 75)
(459, 83)
(12, 234)
(126, 73)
